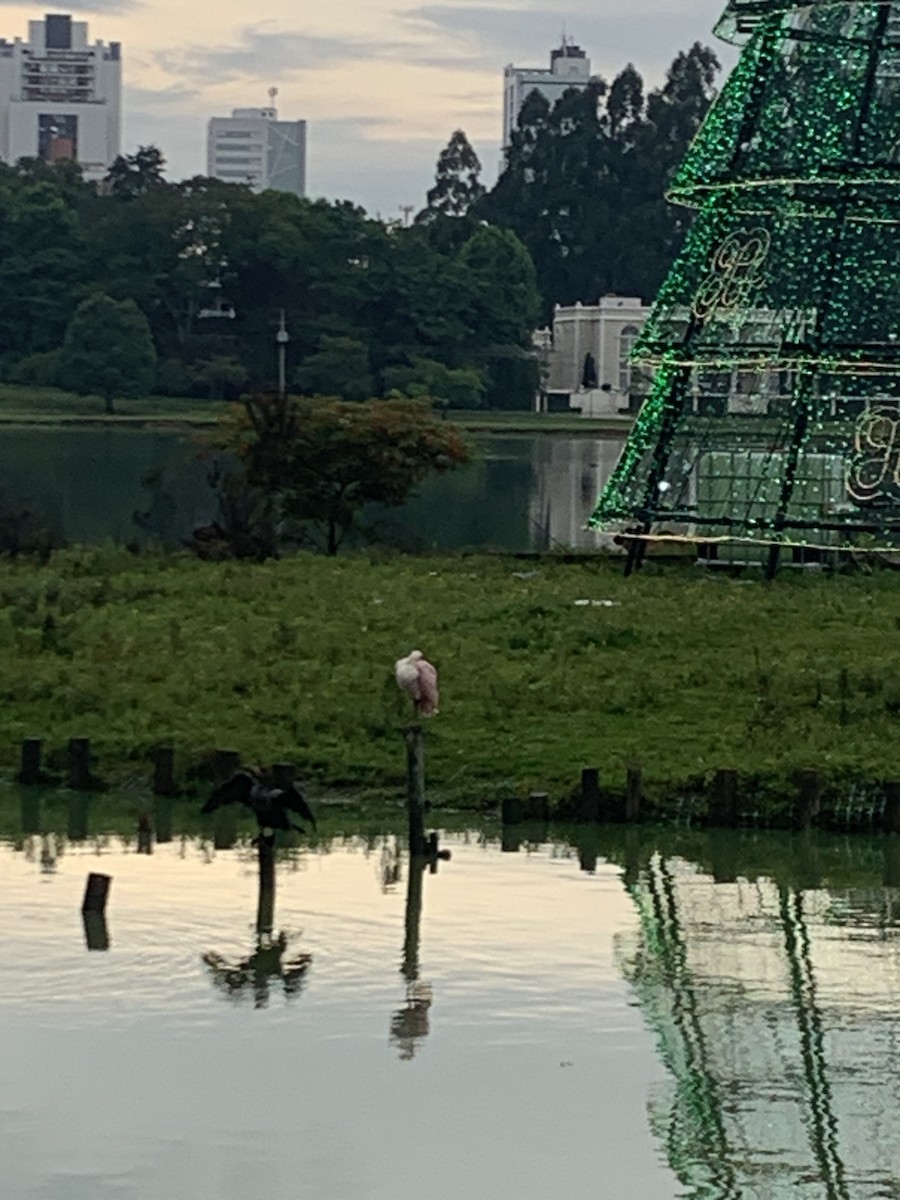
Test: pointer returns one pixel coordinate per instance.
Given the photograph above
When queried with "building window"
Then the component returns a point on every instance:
(627, 339)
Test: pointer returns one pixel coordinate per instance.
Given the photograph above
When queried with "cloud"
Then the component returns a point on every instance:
(269, 53)
(87, 6)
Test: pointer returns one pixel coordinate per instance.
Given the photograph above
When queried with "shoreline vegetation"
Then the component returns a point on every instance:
(547, 667)
(26, 406)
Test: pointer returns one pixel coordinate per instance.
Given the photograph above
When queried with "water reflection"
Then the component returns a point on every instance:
(773, 997)
(410, 1024)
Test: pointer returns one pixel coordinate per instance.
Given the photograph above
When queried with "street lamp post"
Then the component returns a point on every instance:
(281, 340)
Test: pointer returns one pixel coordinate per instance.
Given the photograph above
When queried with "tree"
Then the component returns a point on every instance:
(457, 184)
(323, 461)
(584, 183)
(108, 350)
(340, 368)
(134, 174)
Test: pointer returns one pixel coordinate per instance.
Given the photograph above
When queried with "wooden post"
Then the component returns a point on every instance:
(30, 771)
(512, 810)
(723, 852)
(809, 798)
(163, 771)
(225, 763)
(225, 823)
(537, 807)
(265, 912)
(589, 806)
(162, 818)
(510, 840)
(77, 822)
(891, 862)
(284, 774)
(892, 806)
(80, 763)
(415, 788)
(723, 805)
(96, 935)
(633, 789)
(96, 893)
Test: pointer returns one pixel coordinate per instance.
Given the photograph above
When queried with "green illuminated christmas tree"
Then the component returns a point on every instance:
(774, 417)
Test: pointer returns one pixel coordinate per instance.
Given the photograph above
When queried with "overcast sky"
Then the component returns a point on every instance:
(381, 83)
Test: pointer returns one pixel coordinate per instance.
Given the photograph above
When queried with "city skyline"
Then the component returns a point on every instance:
(381, 85)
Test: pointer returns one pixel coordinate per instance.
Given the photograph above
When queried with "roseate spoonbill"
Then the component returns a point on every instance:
(270, 805)
(418, 678)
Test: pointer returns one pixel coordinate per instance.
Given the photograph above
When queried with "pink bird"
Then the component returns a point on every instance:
(417, 677)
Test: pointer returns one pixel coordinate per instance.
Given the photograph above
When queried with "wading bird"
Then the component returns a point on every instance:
(271, 805)
(418, 678)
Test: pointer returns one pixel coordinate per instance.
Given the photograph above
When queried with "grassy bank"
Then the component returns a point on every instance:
(545, 668)
(52, 406)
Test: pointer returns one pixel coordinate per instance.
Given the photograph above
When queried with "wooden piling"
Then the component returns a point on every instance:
(415, 788)
(96, 935)
(163, 770)
(96, 893)
(80, 776)
(891, 875)
(512, 810)
(283, 774)
(265, 911)
(537, 807)
(633, 790)
(892, 806)
(723, 804)
(77, 817)
(590, 799)
(809, 798)
(162, 818)
(225, 764)
(30, 769)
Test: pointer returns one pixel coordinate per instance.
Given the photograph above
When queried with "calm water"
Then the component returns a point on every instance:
(668, 1018)
(524, 492)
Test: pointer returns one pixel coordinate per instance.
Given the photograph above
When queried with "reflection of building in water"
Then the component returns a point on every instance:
(568, 473)
(775, 1011)
(585, 357)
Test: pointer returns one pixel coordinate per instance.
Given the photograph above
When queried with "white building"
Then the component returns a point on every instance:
(585, 357)
(60, 97)
(252, 146)
(569, 67)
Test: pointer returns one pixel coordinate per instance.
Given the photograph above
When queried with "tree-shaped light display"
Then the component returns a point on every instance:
(774, 418)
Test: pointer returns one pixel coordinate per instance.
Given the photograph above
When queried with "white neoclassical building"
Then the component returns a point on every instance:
(585, 357)
(569, 67)
(60, 96)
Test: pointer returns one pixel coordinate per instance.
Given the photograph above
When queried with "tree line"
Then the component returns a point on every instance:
(583, 182)
(177, 288)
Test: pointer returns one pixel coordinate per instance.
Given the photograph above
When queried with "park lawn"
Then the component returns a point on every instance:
(682, 671)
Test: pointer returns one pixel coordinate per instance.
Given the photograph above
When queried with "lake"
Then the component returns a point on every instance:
(626, 1013)
(524, 492)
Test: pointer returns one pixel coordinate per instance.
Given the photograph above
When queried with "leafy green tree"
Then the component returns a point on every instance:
(323, 461)
(339, 368)
(584, 183)
(108, 350)
(134, 174)
(449, 387)
(457, 185)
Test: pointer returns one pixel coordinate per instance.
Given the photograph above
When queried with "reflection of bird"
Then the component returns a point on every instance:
(418, 678)
(270, 804)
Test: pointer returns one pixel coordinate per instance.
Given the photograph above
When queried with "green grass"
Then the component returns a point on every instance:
(686, 672)
(52, 406)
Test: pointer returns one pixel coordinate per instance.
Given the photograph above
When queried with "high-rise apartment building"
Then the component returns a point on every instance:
(60, 96)
(569, 67)
(252, 146)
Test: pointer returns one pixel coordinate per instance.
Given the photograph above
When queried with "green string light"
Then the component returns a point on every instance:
(775, 411)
